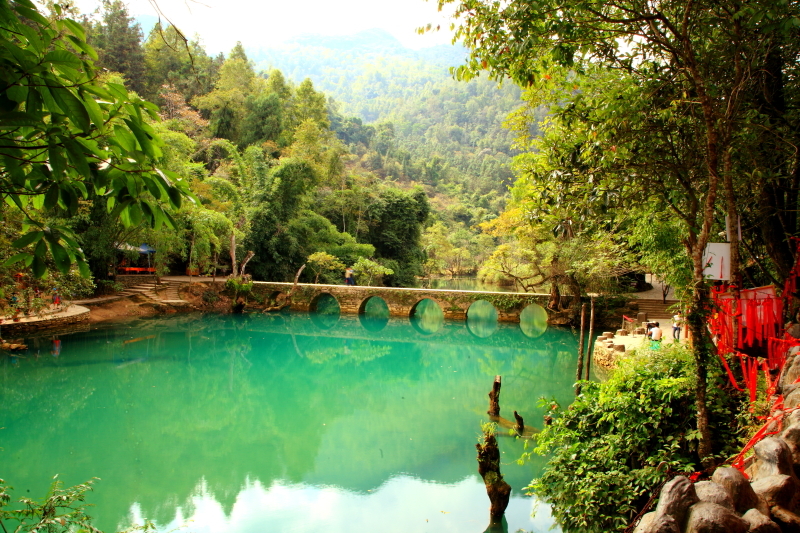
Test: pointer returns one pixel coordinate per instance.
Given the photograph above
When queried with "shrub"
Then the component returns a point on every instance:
(210, 297)
(607, 446)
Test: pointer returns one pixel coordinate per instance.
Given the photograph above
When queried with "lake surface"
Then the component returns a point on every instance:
(289, 422)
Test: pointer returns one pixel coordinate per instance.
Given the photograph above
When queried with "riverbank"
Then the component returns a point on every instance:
(143, 297)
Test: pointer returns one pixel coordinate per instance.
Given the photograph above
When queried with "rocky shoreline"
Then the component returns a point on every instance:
(765, 498)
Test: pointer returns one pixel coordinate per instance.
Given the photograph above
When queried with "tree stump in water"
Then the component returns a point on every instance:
(238, 306)
(497, 489)
(520, 425)
(494, 398)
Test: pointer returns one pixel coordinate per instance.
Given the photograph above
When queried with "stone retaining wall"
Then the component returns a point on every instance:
(80, 315)
(131, 280)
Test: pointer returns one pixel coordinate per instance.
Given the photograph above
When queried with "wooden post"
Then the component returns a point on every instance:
(497, 489)
(591, 336)
(494, 398)
(580, 349)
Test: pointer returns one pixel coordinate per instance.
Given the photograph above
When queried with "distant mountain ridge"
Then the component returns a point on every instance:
(362, 46)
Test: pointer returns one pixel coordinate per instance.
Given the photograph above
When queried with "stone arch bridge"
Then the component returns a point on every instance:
(402, 302)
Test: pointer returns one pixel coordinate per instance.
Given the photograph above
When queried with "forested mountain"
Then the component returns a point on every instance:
(414, 123)
(454, 125)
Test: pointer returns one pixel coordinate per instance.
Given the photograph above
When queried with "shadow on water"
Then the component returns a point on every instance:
(236, 420)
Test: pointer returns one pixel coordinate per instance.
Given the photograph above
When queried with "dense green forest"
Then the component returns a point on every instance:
(382, 160)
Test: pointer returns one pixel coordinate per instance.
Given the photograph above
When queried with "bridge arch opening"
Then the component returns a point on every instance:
(482, 319)
(373, 313)
(533, 321)
(426, 316)
(325, 310)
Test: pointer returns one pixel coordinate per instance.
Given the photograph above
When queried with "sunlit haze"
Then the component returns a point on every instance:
(221, 23)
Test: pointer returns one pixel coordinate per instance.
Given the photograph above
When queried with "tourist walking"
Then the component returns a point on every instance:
(677, 324)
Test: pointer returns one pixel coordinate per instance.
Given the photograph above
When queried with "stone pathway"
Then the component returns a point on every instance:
(66, 314)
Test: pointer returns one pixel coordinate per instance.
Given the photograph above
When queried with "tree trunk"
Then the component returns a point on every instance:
(494, 398)
(580, 349)
(733, 239)
(250, 255)
(497, 489)
(696, 320)
(234, 270)
(697, 245)
(591, 340)
(701, 346)
(555, 297)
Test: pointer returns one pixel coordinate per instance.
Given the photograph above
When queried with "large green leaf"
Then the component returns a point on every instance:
(62, 57)
(27, 239)
(17, 119)
(76, 29)
(72, 107)
(60, 255)
(78, 158)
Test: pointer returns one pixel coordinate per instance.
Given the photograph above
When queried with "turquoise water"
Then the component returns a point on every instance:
(289, 422)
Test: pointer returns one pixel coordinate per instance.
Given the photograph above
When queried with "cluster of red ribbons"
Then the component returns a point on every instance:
(759, 319)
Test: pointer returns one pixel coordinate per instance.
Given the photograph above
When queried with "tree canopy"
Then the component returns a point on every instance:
(66, 135)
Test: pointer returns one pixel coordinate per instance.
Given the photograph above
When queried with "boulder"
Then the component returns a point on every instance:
(792, 399)
(773, 458)
(676, 497)
(760, 523)
(644, 524)
(792, 419)
(775, 490)
(790, 372)
(663, 524)
(737, 487)
(790, 388)
(709, 491)
(707, 517)
(786, 520)
(791, 436)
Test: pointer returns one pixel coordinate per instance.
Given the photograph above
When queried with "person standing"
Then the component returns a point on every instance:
(677, 324)
(348, 276)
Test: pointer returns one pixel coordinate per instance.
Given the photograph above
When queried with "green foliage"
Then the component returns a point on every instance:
(615, 443)
(659, 244)
(369, 272)
(395, 228)
(67, 135)
(172, 61)
(210, 297)
(237, 287)
(117, 37)
(504, 302)
(61, 510)
(106, 286)
(323, 263)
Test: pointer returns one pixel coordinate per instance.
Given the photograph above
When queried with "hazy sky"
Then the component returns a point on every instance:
(262, 23)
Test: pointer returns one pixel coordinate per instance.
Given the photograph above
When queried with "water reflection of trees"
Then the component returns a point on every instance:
(226, 399)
